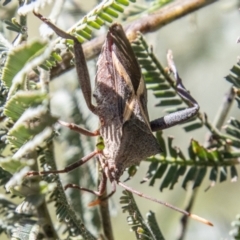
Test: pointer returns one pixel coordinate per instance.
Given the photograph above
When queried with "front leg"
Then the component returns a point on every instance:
(102, 188)
(80, 62)
(180, 116)
(78, 129)
(67, 169)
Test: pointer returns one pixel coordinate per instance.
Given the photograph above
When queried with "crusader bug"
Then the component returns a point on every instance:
(121, 98)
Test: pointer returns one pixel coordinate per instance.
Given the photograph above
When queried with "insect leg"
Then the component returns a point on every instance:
(71, 185)
(102, 199)
(111, 193)
(80, 62)
(68, 168)
(193, 216)
(78, 129)
(180, 116)
(99, 193)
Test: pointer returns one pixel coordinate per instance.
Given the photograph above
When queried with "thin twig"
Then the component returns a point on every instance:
(185, 219)
(149, 23)
(222, 113)
(44, 77)
(217, 125)
(165, 15)
(45, 31)
(106, 219)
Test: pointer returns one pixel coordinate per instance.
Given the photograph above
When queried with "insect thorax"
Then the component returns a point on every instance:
(126, 142)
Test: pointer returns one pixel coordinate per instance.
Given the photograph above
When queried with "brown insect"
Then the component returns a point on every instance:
(121, 98)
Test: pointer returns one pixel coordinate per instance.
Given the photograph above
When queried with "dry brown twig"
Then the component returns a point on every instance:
(149, 23)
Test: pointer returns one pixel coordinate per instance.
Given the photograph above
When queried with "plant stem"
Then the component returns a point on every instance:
(43, 213)
(232, 160)
(222, 113)
(149, 23)
(165, 15)
(106, 219)
(185, 219)
(23, 22)
(217, 125)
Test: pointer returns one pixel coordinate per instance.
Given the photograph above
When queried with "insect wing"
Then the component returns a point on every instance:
(118, 77)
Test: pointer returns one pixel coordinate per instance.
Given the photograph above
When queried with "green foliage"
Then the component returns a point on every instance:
(234, 79)
(18, 58)
(64, 211)
(172, 163)
(30, 135)
(235, 232)
(158, 80)
(143, 229)
(28, 132)
(103, 13)
(139, 10)
(4, 176)
(13, 25)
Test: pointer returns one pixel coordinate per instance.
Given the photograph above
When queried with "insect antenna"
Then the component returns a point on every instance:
(193, 216)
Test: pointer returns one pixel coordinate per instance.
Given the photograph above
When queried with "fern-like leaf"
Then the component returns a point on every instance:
(143, 229)
(64, 211)
(18, 58)
(158, 80)
(193, 168)
(20, 225)
(172, 164)
(234, 79)
(235, 232)
(105, 12)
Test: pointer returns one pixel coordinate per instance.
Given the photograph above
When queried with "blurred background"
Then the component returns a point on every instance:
(204, 47)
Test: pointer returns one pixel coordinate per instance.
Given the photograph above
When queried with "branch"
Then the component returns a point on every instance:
(222, 113)
(149, 23)
(165, 15)
(185, 219)
(106, 218)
